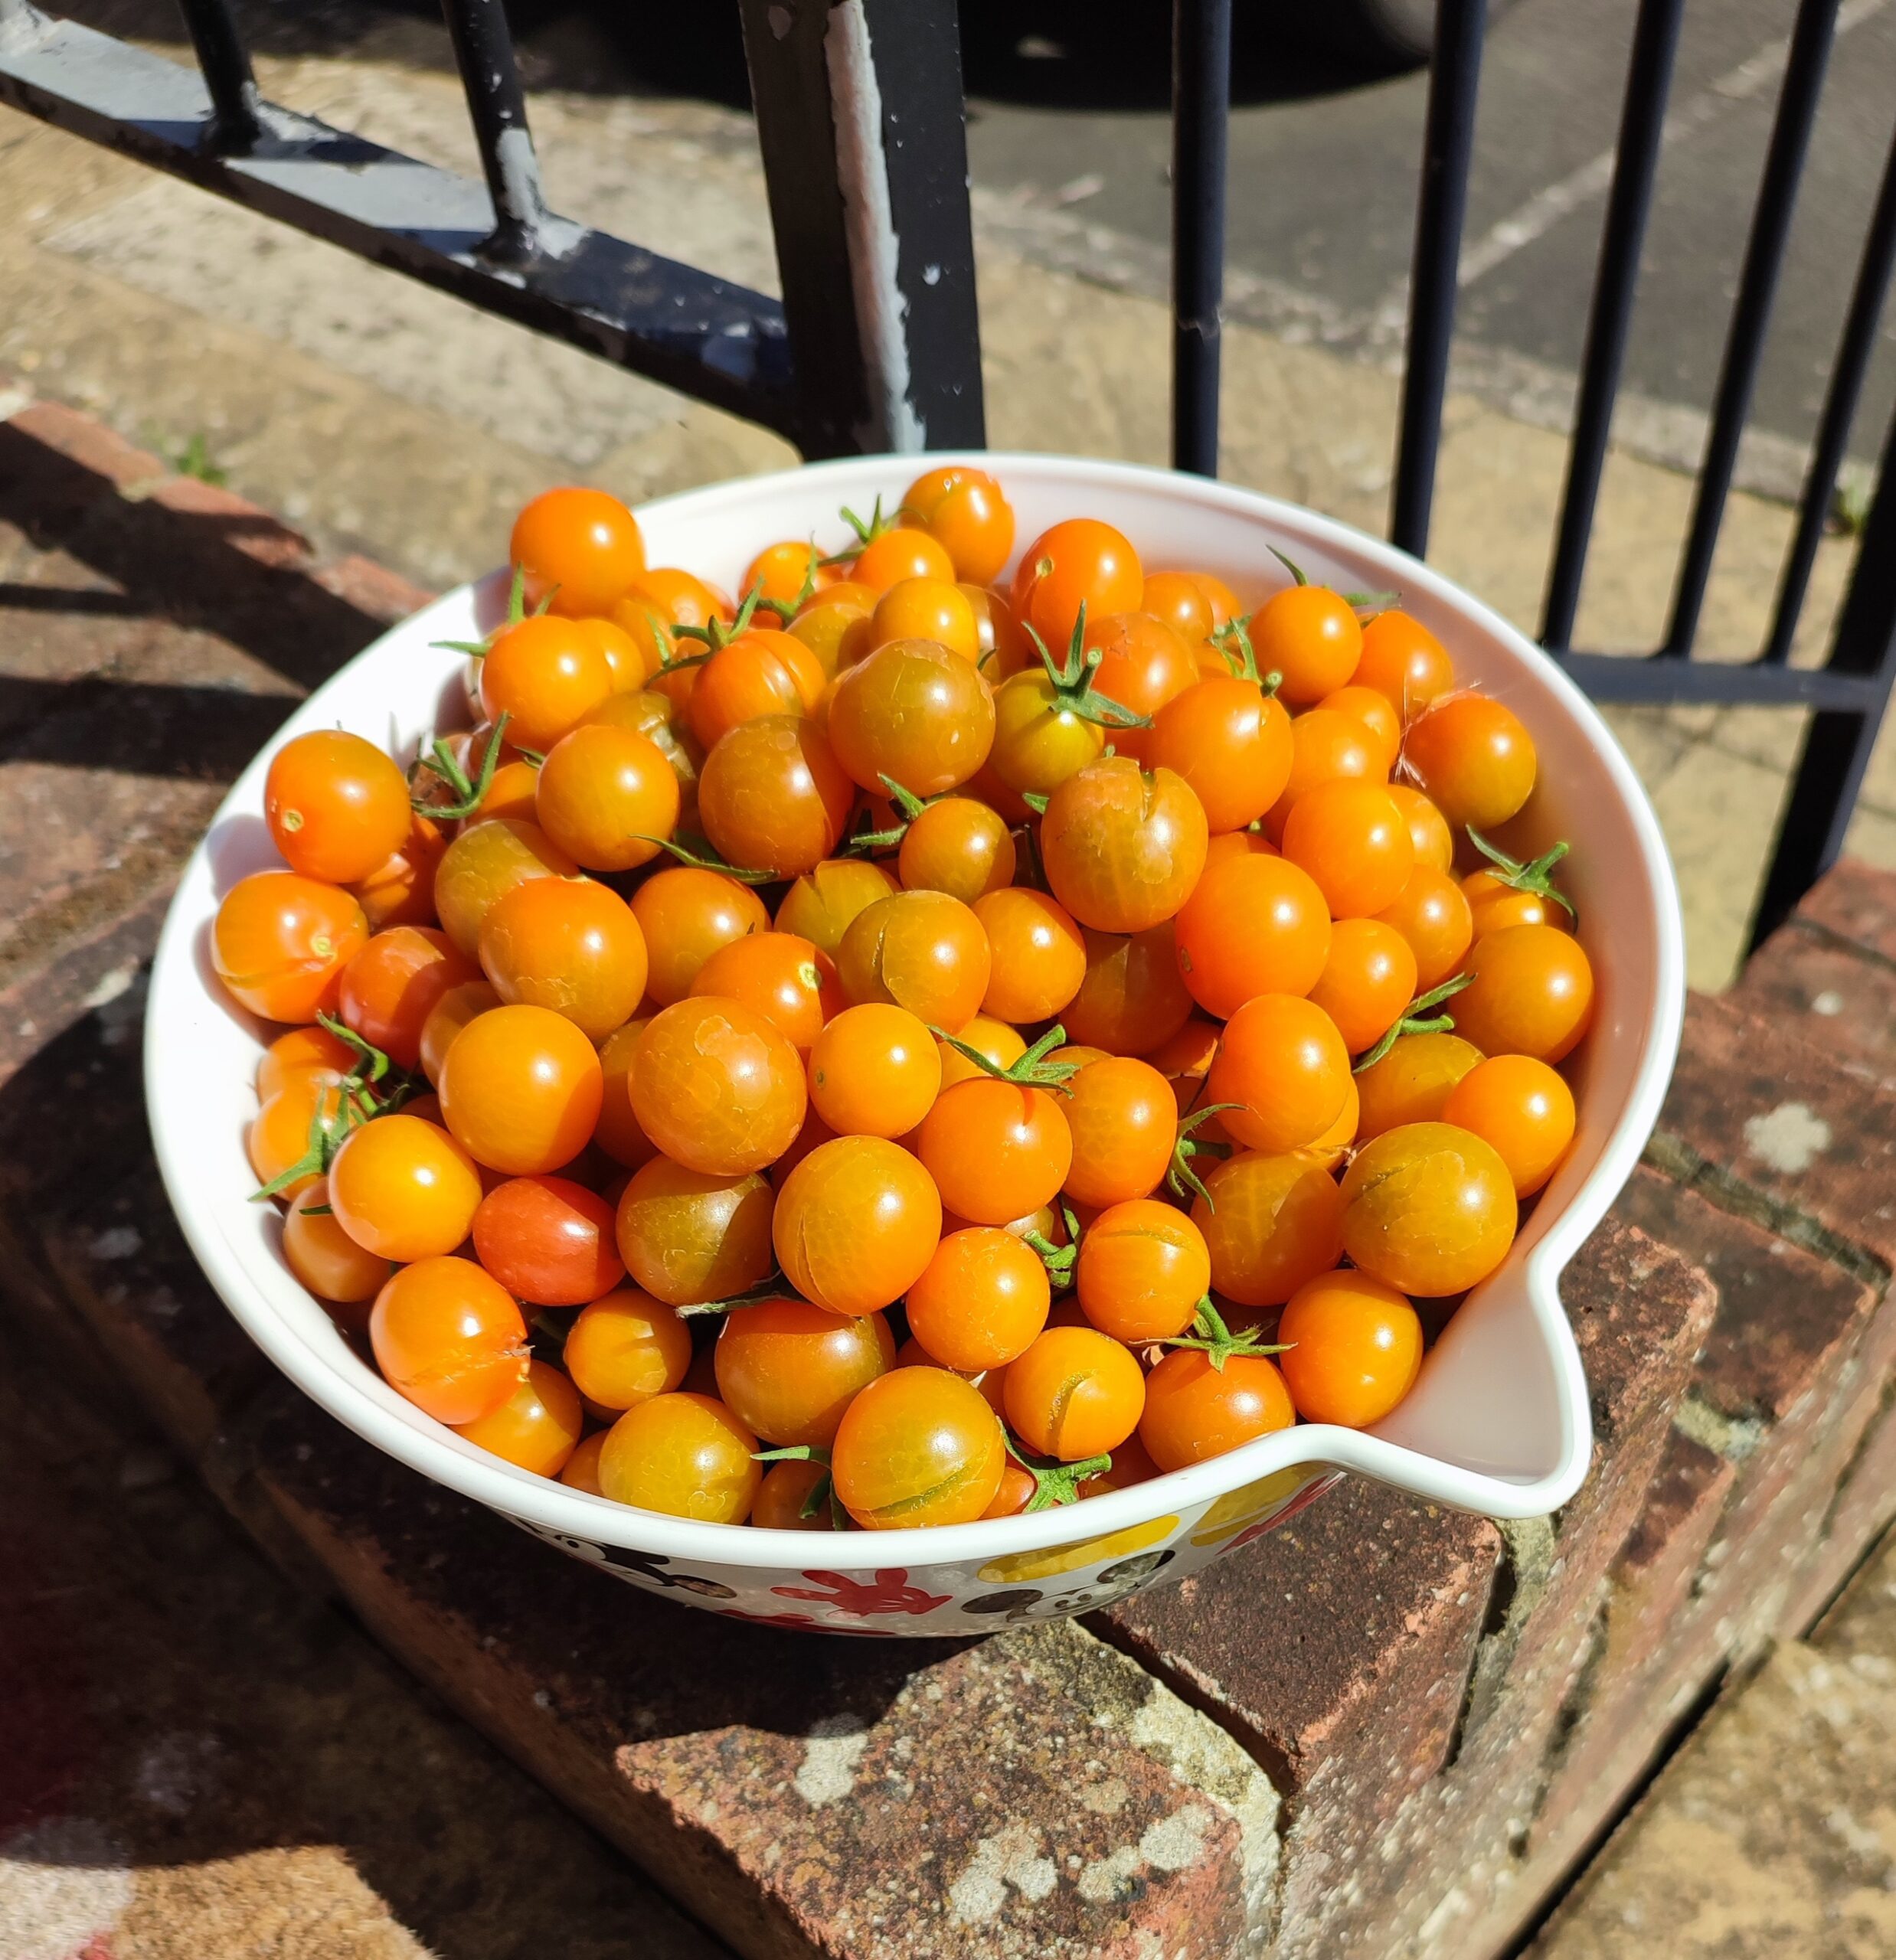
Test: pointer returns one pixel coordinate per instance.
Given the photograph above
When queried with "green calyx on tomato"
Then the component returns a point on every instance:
(1357, 602)
(698, 854)
(1535, 876)
(1181, 1177)
(1029, 1070)
(516, 612)
(907, 802)
(359, 1099)
(1073, 692)
(1217, 1341)
(466, 793)
(1054, 1482)
(822, 1492)
(1418, 1017)
(1058, 1260)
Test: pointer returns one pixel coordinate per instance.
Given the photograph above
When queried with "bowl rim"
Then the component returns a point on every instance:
(548, 1506)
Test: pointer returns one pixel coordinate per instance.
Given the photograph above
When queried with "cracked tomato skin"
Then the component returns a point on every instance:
(449, 1337)
(717, 1087)
(1412, 1083)
(762, 671)
(782, 977)
(914, 710)
(280, 941)
(819, 906)
(686, 914)
(1076, 1393)
(1144, 664)
(1428, 1209)
(790, 1369)
(482, 865)
(856, 1222)
(917, 1446)
(689, 1235)
(959, 846)
(1132, 1000)
(625, 1348)
(1143, 1267)
(683, 1454)
(772, 797)
(1193, 1410)
(569, 944)
(1278, 1222)
(1123, 846)
(995, 1150)
(921, 950)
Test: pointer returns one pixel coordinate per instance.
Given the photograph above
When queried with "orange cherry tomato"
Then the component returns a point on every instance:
(1353, 1348)
(297, 1050)
(717, 1086)
(1193, 1410)
(921, 950)
(1412, 1083)
(761, 672)
(1428, 1209)
(626, 1348)
(617, 1132)
(1231, 743)
(323, 1256)
(981, 1300)
(1373, 710)
(1368, 981)
(623, 654)
(1252, 925)
(485, 863)
(772, 797)
(449, 1015)
(835, 626)
(789, 1371)
(959, 846)
(1278, 1222)
(1532, 993)
(1404, 662)
(995, 1149)
(1325, 746)
(683, 1454)
(784, 572)
(934, 610)
(280, 1137)
(449, 1337)
(1428, 828)
(660, 598)
(1132, 999)
(779, 975)
(1521, 1108)
(904, 553)
(603, 794)
(580, 1470)
(403, 1189)
(820, 904)
(521, 1088)
(1079, 562)
(794, 1496)
(914, 711)
(546, 675)
(1144, 663)
(856, 1224)
(399, 891)
(1124, 1124)
(1309, 634)
(1039, 957)
(1075, 1393)
(1122, 846)
(1493, 904)
(549, 1240)
(336, 806)
(966, 512)
(1185, 1060)
(280, 941)
(580, 550)
(1431, 913)
(687, 1236)
(1473, 758)
(917, 1446)
(686, 914)
(569, 944)
(1283, 1066)
(1179, 599)
(875, 1070)
(1143, 1267)
(1355, 845)
(536, 1428)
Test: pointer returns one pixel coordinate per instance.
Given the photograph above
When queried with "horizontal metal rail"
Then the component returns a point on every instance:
(1654, 680)
(709, 337)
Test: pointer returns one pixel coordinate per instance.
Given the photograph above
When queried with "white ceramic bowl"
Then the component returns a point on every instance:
(1498, 1422)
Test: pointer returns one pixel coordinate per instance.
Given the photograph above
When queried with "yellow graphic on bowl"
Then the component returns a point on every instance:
(1237, 1510)
(1056, 1559)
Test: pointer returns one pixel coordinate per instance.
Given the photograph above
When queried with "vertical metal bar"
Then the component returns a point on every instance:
(860, 119)
(1757, 284)
(1839, 409)
(497, 106)
(1448, 143)
(1838, 745)
(226, 67)
(1201, 116)
(1635, 166)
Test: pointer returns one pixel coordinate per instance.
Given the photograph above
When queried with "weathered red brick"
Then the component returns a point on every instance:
(1753, 1103)
(97, 450)
(1856, 902)
(1653, 1579)
(88, 970)
(1866, 1500)
(1830, 993)
(372, 589)
(877, 1800)
(235, 520)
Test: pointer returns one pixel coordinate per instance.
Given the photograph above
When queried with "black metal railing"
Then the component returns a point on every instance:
(875, 343)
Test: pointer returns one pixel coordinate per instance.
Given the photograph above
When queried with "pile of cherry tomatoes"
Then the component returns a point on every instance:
(900, 1046)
